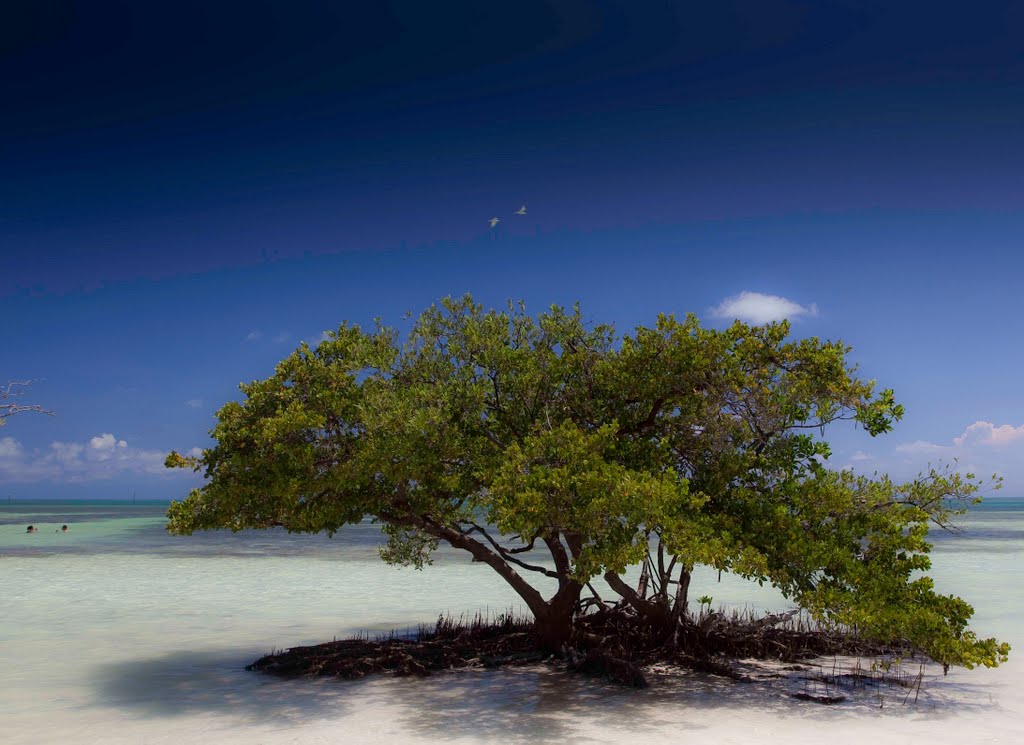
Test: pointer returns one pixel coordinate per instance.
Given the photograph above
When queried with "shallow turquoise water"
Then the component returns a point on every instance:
(116, 631)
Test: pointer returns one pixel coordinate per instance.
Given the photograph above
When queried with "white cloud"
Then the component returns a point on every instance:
(282, 337)
(924, 447)
(983, 448)
(980, 437)
(66, 452)
(254, 335)
(194, 403)
(987, 433)
(10, 448)
(106, 441)
(758, 308)
(102, 448)
(101, 457)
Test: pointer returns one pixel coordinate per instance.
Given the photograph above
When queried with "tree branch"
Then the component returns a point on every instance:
(532, 597)
(644, 607)
(507, 553)
(10, 391)
(646, 423)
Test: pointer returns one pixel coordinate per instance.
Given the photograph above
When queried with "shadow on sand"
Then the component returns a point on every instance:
(541, 704)
(190, 682)
(515, 704)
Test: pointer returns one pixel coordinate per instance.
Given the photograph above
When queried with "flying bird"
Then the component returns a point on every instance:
(494, 221)
(521, 210)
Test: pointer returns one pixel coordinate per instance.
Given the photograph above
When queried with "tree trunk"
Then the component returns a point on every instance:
(554, 617)
(554, 630)
(679, 605)
(645, 574)
(649, 609)
(554, 622)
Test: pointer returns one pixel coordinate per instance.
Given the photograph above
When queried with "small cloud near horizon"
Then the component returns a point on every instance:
(983, 448)
(106, 442)
(982, 435)
(758, 308)
(101, 457)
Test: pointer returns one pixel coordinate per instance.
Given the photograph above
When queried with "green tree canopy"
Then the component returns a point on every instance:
(552, 447)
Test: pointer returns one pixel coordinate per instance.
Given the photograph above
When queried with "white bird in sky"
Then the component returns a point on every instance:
(521, 210)
(494, 221)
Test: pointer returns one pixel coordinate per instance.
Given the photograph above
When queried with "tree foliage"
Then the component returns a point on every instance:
(549, 447)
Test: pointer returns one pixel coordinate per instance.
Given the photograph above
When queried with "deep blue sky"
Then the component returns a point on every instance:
(189, 189)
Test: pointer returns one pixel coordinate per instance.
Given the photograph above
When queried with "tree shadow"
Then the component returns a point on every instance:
(191, 681)
(523, 704)
(541, 704)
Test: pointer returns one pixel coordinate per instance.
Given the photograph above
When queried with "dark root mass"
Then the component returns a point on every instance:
(610, 644)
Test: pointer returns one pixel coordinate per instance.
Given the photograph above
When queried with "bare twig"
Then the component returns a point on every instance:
(9, 408)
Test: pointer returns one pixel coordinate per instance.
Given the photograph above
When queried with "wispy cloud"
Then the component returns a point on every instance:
(10, 448)
(979, 437)
(314, 341)
(757, 308)
(101, 457)
(983, 448)
(194, 403)
(278, 338)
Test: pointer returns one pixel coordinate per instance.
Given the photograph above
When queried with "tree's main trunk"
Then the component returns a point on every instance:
(554, 623)
(554, 630)
(554, 617)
